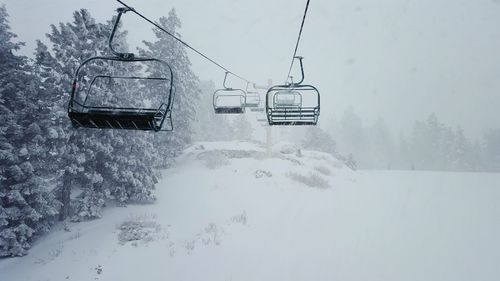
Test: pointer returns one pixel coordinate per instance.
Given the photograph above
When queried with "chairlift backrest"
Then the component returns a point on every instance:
(289, 98)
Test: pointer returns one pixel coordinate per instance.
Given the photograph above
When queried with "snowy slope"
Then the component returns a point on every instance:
(227, 212)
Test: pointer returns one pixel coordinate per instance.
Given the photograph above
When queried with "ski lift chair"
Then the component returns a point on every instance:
(92, 105)
(229, 100)
(252, 98)
(293, 104)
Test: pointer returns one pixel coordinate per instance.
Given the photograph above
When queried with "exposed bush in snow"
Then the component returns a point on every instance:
(261, 173)
(323, 170)
(212, 234)
(242, 218)
(139, 228)
(313, 180)
(317, 139)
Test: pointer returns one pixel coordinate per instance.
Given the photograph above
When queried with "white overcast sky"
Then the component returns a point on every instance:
(398, 59)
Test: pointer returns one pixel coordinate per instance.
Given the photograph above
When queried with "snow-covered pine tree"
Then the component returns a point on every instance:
(186, 84)
(317, 139)
(404, 159)
(352, 137)
(382, 145)
(27, 207)
(491, 150)
(462, 152)
(104, 164)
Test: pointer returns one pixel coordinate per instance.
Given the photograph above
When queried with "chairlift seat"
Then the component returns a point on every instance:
(229, 101)
(84, 115)
(293, 116)
(119, 118)
(229, 110)
(252, 100)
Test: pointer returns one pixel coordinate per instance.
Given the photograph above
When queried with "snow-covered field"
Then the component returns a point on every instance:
(226, 212)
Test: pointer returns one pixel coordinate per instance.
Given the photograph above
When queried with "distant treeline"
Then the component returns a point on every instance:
(428, 145)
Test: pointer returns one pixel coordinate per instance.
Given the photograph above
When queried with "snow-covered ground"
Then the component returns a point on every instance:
(227, 212)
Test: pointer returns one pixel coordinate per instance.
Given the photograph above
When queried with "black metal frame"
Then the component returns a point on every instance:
(229, 92)
(296, 114)
(110, 117)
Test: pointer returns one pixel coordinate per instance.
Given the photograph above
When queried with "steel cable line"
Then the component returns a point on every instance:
(183, 42)
(298, 40)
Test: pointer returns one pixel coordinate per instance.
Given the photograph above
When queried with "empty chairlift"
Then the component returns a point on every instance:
(253, 99)
(229, 100)
(119, 91)
(293, 103)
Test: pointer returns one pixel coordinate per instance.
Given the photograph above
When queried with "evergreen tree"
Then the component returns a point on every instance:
(352, 137)
(186, 85)
(461, 152)
(492, 150)
(404, 160)
(436, 146)
(476, 157)
(381, 145)
(27, 207)
(426, 144)
(104, 164)
(317, 139)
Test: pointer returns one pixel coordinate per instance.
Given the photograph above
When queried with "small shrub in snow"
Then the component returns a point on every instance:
(139, 228)
(313, 180)
(212, 233)
(261, 173)
(351, 162)
(189, 245)
(98, 269)
(323, 170)
(240, 218)
(299, 153)
(75, 236)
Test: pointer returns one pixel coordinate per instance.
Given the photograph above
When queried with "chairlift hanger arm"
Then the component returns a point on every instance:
(254, 88)
(120, 12)
(224, 83)
(298, 38)
(301, 70)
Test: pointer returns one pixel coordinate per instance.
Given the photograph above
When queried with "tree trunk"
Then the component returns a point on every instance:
(65, 196)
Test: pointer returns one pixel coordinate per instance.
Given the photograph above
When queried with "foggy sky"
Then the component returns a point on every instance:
(397, 59)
